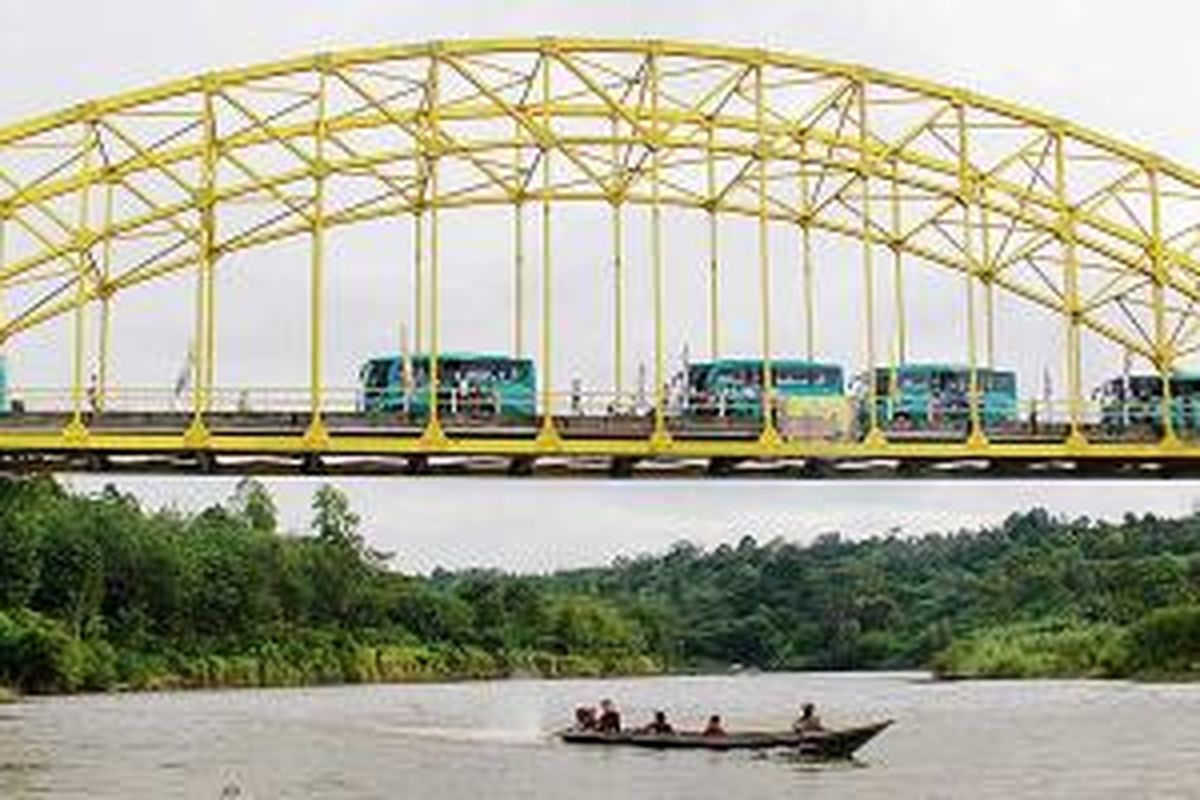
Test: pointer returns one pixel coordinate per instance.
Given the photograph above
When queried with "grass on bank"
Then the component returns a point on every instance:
(1163, 644)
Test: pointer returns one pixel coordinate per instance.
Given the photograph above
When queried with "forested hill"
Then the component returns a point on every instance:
(98, 593)
(1033, 595)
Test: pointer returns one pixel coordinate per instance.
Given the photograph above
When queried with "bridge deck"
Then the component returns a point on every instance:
(623, 445)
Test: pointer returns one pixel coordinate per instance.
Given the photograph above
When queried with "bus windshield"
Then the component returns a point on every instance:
(999, 382)
(377, 373)
(825, 378)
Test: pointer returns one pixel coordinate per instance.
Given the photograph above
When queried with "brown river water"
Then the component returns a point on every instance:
(492, 741)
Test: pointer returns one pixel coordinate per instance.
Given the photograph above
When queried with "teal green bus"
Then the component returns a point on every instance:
(732, 387)
(469, 384)
(1136, 401)
(936, 396)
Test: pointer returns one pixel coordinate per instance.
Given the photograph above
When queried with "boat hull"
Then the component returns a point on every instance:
(819, 744)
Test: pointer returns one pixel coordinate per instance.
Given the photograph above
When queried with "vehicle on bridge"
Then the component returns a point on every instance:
(479, 385)
(937, 397)
(1134, 402)
(809, 395)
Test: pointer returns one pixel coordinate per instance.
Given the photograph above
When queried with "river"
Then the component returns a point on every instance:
(491, 741)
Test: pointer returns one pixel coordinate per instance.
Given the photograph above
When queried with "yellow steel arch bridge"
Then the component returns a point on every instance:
(159, 189)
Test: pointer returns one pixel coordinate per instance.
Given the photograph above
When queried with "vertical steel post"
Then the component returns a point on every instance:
(518, 246)
(202, 337)
(209, 224)
(769, 431)
(316, 431)
(901, 353)
(1164, 356)
(3, 293)
(966, 196)
(420, 156)
(989, 286)
(1071, 306)
(433, 428)
(83, 255)
(548, 433)
(656, 251)
(874, 436)
(806, 259)
(714, 279)
(618, 255)
(105, 301)
(419, 255)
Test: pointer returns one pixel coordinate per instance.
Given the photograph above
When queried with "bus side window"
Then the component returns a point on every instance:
(883, 382)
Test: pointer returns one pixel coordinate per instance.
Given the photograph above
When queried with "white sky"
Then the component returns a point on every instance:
(1124, 68)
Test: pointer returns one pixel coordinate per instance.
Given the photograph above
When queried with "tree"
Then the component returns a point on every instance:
(253, 503)
(333, 520)
(72, 571)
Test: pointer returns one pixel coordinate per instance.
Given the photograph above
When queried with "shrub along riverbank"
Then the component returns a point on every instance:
(1164, 644)
(97, 593)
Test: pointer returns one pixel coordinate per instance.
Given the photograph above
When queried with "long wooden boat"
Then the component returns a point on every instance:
(840, 743)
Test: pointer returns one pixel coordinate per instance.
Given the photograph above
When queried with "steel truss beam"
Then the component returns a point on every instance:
(124, 191)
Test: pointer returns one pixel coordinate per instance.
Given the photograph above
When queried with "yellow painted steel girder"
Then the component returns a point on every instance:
(1099, 232)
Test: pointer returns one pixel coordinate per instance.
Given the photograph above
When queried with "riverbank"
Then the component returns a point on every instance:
(270, 667)
(39, 656)
(1163, 645)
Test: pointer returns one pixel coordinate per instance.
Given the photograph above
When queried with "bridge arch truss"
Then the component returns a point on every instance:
(112, 194)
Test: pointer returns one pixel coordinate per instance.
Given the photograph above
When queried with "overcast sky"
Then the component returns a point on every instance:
(1123, 68)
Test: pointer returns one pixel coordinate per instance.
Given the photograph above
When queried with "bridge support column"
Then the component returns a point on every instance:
(1072, 308)
(1164, 350)
(616, 201)
(518, 197)
(3, 299)
(900, 353)
(874, 436)
(317, 436)
(661, 437)
(714, 248)
(987, 275)
(548, 437)
(203, 334)
(967, 197)
(105, 304)
(419, 264)
(76, 429)
(769, 437)
(433, 436)
(806, 256)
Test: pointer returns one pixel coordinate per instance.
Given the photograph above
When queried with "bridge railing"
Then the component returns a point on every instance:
(631, 413)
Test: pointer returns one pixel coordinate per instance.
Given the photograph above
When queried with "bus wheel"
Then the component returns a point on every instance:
(522, 466)
(621, 467)
(720, 467)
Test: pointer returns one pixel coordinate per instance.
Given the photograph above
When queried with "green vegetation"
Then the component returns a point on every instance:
(1030, 650)
(97, 593)
(1034, 595)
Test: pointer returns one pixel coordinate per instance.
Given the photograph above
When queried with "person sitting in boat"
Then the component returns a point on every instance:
(713, 728)
(659, 725)
(808, 722)
(610, 718)
(585, 718)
